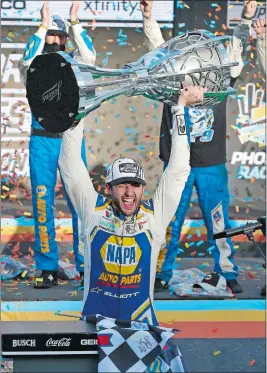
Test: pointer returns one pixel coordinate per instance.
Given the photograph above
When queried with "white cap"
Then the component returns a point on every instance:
(58, 25)
(123, 170)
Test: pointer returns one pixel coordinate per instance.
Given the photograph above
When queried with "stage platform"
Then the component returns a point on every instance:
(251, 277)
(215, 335)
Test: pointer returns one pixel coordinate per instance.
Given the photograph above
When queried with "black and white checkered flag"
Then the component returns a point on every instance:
(132, 346)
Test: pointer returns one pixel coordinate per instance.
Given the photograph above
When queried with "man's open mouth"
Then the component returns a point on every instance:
(128, 203)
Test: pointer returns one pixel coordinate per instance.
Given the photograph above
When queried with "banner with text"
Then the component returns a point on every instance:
(104, 13)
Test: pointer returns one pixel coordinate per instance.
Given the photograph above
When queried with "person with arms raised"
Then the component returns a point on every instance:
(44, 146)
(123, 235)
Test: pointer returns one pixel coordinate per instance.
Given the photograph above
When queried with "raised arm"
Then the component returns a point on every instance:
(86, 52)
(240, 36)
(168, 193)
(153, 35)
(75, 175)
(260, 28)
(36, 43)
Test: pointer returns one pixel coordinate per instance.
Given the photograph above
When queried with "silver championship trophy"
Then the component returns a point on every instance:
(62, 91)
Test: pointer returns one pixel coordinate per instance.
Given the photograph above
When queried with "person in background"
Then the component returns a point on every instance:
(44, 148)
(260, 28)
(207, 159)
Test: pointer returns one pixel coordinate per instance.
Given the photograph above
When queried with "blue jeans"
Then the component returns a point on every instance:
(44, 155)
(212, 189)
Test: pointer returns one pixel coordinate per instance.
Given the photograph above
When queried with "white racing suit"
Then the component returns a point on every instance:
(121, 252)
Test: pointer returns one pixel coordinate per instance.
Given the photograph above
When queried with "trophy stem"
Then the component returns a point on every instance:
(102, 97)
(154, 77)
(98, 72)
(107, 83)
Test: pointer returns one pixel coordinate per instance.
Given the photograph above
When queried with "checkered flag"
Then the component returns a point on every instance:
(132, 346)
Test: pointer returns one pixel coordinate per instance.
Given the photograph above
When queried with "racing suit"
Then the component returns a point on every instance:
(121, 252)
(261, 52)
(44, 152)
(208, 170)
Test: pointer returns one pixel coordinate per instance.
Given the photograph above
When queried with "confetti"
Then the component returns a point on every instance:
(252, 362)
(215, 353)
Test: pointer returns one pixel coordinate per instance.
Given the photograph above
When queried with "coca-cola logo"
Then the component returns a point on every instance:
(63, 342)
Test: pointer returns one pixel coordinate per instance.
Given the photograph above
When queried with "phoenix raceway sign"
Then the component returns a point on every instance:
(246, 146)
(15, 115)
(105, 13)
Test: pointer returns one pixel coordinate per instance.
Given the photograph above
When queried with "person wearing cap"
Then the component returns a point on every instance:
(44, 146)
(207, 159)
(123, 234)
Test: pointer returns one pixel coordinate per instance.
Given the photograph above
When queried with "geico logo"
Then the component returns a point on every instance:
(107, 277)
(24, 342)
(127, 280)
(15, 4)
(121, 296)
(89, 342)
(121, 255)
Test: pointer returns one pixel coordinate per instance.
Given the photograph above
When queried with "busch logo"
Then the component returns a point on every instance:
(53, 92)
(24, 343)
(63, 342)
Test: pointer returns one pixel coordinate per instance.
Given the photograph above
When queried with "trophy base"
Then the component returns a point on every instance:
(53, 92)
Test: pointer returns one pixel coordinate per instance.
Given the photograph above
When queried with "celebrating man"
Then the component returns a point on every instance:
(123, 235)
(44, 148)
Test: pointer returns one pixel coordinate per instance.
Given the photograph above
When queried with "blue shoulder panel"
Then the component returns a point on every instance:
(148, 206)
(31, 47)
(88, 41)
(102, 202)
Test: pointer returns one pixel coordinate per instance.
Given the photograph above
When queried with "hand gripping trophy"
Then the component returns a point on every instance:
(62, 91)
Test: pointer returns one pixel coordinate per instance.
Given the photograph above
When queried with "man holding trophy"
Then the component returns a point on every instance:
(123, 235)
(207, 159)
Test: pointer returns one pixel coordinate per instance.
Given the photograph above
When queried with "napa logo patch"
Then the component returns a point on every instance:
(120, 259)
(41, 191)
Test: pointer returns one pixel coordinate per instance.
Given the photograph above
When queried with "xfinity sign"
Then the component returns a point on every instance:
(126, 13)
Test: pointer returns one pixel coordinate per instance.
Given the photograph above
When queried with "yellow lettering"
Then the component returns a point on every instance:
(44, 241)
(115, 279)
(107, 277)
(42, 219)
(41, 204)
(127, 280)
(42, 228)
